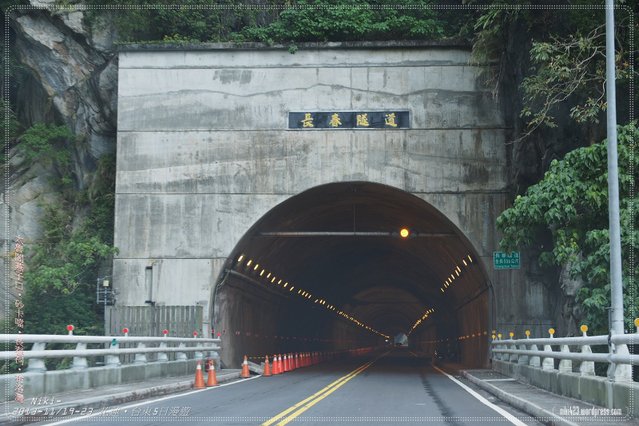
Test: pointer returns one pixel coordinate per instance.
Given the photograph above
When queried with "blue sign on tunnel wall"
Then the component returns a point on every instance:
(503, 260)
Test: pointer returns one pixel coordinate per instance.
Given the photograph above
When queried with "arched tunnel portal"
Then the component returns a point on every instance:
(327, 269)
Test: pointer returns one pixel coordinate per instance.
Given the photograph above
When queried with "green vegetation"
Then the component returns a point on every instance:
(349, 20)
(285, 21)
(571, 204)
(62, 266)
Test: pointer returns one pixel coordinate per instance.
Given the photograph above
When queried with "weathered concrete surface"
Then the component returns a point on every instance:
(204, 153)
(593, 389)
(49, 383)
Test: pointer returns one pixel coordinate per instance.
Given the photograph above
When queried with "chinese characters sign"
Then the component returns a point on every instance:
(506, 260)
(349, 120)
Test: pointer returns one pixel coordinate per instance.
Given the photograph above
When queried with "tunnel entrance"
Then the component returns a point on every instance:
(331, 269)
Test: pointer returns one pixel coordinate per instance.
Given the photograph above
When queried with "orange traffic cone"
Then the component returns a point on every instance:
(199, 378)
(212, 381)
(276, 365)
(286, 365)
(267, 368)
(295, 362)
(245, 371)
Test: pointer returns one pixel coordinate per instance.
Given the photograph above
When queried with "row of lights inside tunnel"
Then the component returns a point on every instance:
(455, 274)
(449, 281)
(284, 285)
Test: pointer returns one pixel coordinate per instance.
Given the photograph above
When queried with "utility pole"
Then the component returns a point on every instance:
(621, 372)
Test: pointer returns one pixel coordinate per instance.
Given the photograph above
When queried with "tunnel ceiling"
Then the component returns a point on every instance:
(385, 281)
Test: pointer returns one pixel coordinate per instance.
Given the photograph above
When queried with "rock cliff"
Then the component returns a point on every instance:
(69, 76)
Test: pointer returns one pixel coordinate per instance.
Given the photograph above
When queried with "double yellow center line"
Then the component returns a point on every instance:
(291, 413)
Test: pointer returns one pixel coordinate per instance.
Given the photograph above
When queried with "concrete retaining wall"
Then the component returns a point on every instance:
(591, 389)
(54, 382)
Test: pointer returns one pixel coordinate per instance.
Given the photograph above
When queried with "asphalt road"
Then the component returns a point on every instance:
(390, 388)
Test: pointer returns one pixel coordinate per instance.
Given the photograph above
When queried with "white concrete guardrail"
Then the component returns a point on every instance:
(533, 361)
(527, 351)
(114, 360)
(112, 352)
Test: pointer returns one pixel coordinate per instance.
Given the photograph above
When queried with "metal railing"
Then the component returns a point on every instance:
(113, 355)
(527, 352)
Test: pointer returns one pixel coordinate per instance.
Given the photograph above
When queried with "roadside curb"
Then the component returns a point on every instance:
(105, 402)
(525, 406)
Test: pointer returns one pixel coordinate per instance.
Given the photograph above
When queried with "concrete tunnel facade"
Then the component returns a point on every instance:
(210, 169)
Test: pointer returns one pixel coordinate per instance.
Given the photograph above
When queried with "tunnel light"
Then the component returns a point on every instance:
(464, 261)
(458, 268)
(239, 259)
(279, 282)
(262, 273)
(457, 272)
(249, 262)
(285, 284)
(269, 275)
(291, 288)
(273, 279)
(257, 265)
(442, 290)
(299, 291)
(404, 232)
(470, 259)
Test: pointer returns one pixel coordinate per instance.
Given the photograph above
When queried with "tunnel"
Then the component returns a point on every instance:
(351, 265)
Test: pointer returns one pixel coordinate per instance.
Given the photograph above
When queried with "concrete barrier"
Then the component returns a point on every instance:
(38, 384)
(593, 389)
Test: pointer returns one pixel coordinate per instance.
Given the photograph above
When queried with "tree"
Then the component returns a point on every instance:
(571, 204)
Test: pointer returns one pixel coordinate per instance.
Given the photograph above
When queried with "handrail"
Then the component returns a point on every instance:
(63, 338)
(527, 352)
(162, 346)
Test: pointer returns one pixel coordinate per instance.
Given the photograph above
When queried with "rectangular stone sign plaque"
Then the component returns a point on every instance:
(349, 120)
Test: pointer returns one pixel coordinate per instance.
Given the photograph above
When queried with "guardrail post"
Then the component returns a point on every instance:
(113, 360)
(80, 362)
(37, 365)
(181, 356)
(162, 356)
(548, 363)
(512, 357)
(565, 365)
(523, 359)
(535, 361)
(199, 354)
(586, 368)
(140, 358)
(622, 372)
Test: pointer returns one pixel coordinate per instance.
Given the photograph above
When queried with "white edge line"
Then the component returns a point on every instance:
(512, 419)
(121, 407)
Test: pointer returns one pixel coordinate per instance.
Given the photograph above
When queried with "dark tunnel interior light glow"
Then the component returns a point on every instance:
(239, 259)
(318, 300)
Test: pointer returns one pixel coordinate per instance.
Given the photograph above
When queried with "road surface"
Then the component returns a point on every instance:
(386, 388)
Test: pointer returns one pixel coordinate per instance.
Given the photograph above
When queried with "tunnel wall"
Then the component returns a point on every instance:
(204, 152)
(254, 321)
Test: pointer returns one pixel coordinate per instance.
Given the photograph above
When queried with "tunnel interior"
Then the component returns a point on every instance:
(328, 269)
